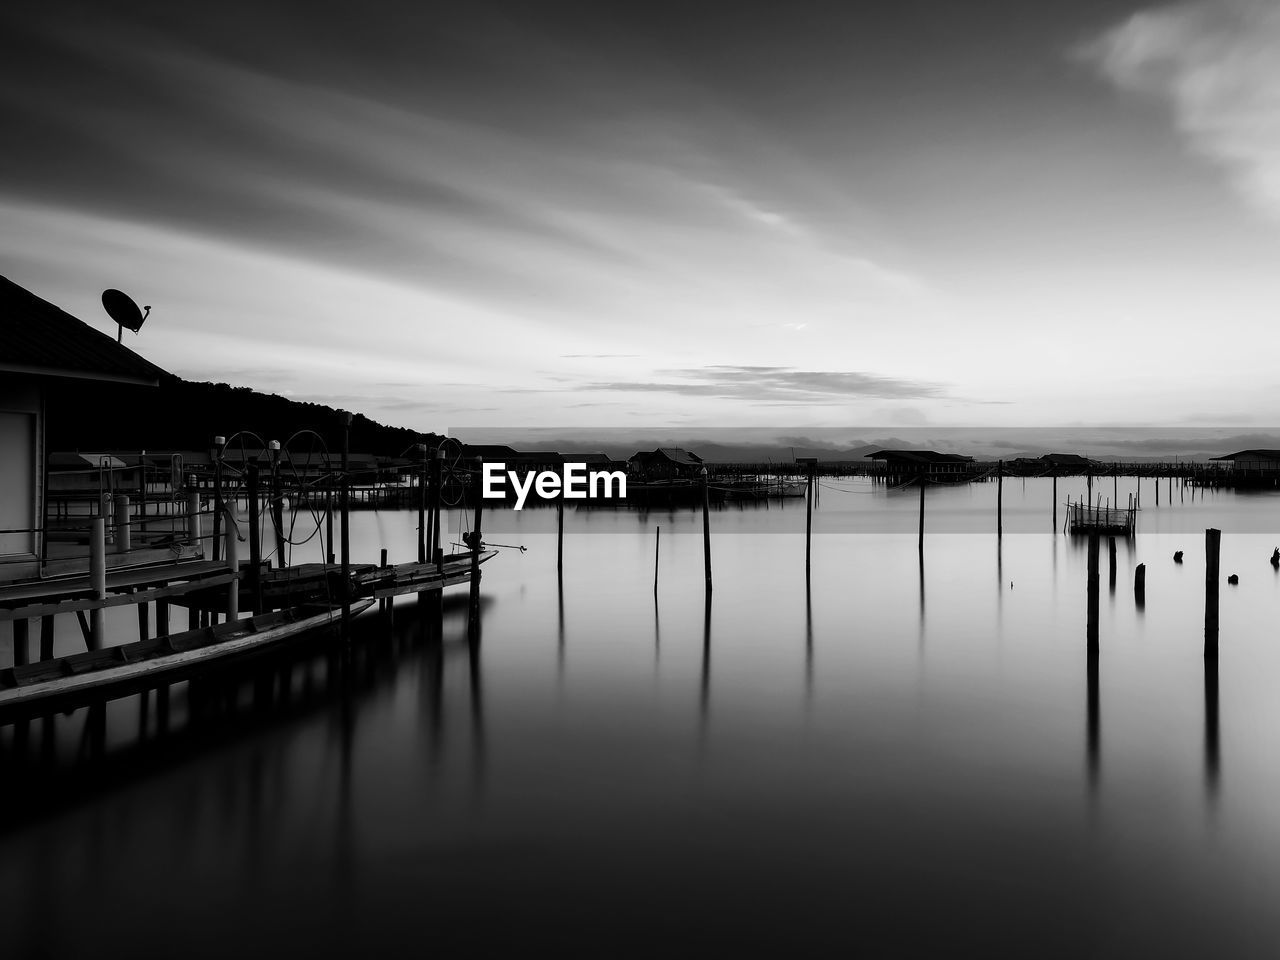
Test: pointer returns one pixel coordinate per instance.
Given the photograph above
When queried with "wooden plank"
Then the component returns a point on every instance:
(117, 600)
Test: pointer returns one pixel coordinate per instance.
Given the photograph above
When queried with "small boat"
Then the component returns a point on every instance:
(65, 682)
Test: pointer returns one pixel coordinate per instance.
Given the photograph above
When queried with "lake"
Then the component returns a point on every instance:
(905, 758)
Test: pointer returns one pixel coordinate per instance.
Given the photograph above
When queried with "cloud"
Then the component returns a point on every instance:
(1217, 64)
(776, 385)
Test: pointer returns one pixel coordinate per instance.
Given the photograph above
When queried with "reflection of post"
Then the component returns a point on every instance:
(1211, 758)
(808, 645)
(705, 685)
(560, 627)
(477, 708)
(473, 606)
(1212, 545)
(1094, 724)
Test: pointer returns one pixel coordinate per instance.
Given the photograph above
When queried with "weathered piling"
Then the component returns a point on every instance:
(1140, 585)
(97, 577)
(560, 528)
(1000, 500)
(473, 606)
(706, 530)
(1092, 625)
(382, 565)
(345, 523)
(422, 506)
(218, 444)
(255, 542)
(124, 538)
(277, 502)
(231, 555)
(657, 544)
(1111, 553)
(193, 517)
(808, 525)
(1055, 502)
(920, 538)
(1212, 549)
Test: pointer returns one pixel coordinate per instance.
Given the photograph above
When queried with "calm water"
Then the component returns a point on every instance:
(901, 760)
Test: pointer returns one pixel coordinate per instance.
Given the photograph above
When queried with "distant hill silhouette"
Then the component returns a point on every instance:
(185, 415)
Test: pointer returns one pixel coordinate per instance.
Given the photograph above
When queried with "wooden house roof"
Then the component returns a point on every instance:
(43, 340)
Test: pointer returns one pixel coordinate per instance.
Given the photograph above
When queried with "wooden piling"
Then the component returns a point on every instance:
(1212, 549)
(217, 497)
(142, 494)
(920, 539)
(560, 528)
(808, 525)
(231, 554)
(277, 504)
(1140, 585)
(1000, 500)
(345, 520)
(162, 618)
(422, 506)
(1092, 626)
(124, 538)
(193, 517)
(657, 544)
(255, 540)
(144, 612)
(706, 531)
(97, 577)
(473, 606)
(1055, 502)
(1111, 552)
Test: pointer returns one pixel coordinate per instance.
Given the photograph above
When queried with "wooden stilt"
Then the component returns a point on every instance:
(706, 531)
(1212, 549)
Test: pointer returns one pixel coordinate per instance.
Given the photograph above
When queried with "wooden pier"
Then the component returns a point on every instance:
(1084, 518)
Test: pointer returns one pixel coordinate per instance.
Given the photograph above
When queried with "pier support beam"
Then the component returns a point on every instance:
(706, 531)
(124, 538)
(1092, 624)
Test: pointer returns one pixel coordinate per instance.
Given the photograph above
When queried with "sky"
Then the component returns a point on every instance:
(810, 214)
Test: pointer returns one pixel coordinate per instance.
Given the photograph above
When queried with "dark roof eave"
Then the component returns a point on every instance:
(35, 371)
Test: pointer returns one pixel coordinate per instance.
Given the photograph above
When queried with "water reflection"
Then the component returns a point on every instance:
(1092, 710)
(1212, 766)
(704, 687)
(808, 646)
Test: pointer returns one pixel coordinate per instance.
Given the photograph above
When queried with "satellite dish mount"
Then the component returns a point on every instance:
(121, 308)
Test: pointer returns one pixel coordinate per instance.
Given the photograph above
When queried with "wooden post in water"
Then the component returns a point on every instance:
(97, 576)
(1156, 484)
(808, 525)
(1140, 585)
(1111, 551)
(920, 540)
(255, 540)
(218, 444)
(1092, 627)
(345, 521)
(560, 528)
(657, 544)
(277, 503)
(142, 494)
(382, 565)
(706, 531)
(232, 556)
(1055, 501)
(193, 518)
(1000, 500)
(473, 606)
(422, 506)
(124, 539)
(1212, 548)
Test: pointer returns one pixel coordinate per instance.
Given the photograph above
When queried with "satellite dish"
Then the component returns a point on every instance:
(121, 308)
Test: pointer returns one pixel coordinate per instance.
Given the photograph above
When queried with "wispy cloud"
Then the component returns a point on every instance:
(1217, 64)
(774, 385)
